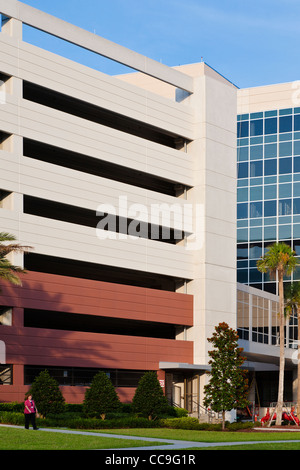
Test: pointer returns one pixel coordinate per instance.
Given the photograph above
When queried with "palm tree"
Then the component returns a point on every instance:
(292, 298)
(279, 261)
(8, 271)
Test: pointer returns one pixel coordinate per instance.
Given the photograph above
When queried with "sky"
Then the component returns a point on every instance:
(251, 43)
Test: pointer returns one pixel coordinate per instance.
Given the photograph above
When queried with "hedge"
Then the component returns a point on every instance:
(78, 422)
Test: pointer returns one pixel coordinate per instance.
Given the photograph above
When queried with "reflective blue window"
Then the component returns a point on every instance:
(255, 250)
(242, 235)
(285, 232)
(256, 168)
(285, 207)
(255, 209)
(243, 129)
(242, 276)
(285, 165)
(297, 147)
(285, 124)
(296, 205)
(271, 126)
(242, 211)
(243, 170)
(270, 233)
(255, 275)
(257, 127)
(256, 152)
(270, 191)
(296, 189)
(285, 149)
(243, 153)
(270, 208)
(256, 193)
(296, 164)
(297, 122)
(242, 194)
(271, 151)
(242, 252)
(255, 234)
(270, 167)
(285, 190)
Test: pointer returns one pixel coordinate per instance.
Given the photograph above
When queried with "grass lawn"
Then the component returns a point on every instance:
(22, 439)
(211, 436)
(208, 436)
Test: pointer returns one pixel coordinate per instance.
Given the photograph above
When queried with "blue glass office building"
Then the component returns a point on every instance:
(268, 194)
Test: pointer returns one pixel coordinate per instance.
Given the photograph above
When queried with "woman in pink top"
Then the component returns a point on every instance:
(30, 412)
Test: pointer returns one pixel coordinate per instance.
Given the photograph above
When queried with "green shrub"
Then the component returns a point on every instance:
(46, 394)
(181, 412)
(180, 423)
(149, 399)
(13, 406)
(101, 397)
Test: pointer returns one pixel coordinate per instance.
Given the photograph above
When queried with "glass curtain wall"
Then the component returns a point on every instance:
(268, 194)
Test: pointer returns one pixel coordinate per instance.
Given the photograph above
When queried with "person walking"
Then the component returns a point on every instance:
(30, 412)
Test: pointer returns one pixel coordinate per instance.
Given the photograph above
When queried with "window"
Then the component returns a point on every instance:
(243, 315)
(6, 316)
(270, 167)
(256, 152)
(270, 208)
(285, 190)
(242, 194)
(285, 207)
(285, 165)
(256, 168)
(271, 126)
(271, 191)
(243, 129)
(296, 164)
(243, 153)
(297, 147)
(255, 209)
(256, 193)
(255, 250)
(243, 170)
(242, 252)
(296, 205)
(285, 149)
(256, 127)
(6, 374)
(285, 124)
(242, 211)
(260, 328)
(270, 150)
(297, 122)
(75, 376)
(270, 233)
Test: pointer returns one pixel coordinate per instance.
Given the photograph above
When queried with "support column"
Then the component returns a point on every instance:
(18, 317)
(12, 27)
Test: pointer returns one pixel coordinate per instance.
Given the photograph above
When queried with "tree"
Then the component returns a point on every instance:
(149, 398)
(101, 397)
(279, 261)
(46, 394)
(292, 302)
(228, 385)
(8, 271)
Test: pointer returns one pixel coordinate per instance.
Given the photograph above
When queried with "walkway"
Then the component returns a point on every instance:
(167, 444)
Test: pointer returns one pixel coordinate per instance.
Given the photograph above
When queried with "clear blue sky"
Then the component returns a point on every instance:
(251, 43)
